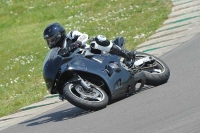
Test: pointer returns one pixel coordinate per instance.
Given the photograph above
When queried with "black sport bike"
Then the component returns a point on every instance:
(90, 81)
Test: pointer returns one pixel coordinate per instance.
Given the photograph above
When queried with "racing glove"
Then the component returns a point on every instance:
(75, 45)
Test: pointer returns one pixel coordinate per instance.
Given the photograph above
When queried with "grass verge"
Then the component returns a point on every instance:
(23, 49)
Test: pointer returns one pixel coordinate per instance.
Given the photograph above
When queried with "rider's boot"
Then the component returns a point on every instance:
(129, 56)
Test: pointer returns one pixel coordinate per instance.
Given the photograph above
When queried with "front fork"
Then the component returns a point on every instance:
(77, 79)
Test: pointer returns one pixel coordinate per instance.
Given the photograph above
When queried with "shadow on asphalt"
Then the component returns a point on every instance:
(57, 116)
(66, 114)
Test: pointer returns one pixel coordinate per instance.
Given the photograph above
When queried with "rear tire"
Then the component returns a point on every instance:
(76, 95)
(156, 78)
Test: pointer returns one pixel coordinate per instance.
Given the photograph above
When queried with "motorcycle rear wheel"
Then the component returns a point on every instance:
(157, 75)
(95, 99)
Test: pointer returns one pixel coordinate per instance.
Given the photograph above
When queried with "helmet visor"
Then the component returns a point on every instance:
(51, 41)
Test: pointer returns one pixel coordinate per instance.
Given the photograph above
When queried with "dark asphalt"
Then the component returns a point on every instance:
(170, 108)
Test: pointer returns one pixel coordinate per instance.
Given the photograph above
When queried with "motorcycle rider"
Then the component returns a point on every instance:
(55, 36)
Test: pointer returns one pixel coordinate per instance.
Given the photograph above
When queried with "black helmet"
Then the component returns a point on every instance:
(54, 34)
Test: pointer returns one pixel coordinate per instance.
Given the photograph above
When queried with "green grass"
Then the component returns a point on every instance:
(23, 49)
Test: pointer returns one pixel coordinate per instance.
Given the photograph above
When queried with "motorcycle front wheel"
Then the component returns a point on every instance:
(95, 99)
(157, 72)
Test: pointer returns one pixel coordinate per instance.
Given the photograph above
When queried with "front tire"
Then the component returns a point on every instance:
(93, 100)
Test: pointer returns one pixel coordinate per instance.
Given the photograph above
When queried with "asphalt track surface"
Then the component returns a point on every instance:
(173, 107)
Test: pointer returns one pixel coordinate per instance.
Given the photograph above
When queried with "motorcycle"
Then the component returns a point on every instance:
(90, 81)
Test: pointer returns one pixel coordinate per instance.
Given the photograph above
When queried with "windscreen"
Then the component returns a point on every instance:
(51, 66)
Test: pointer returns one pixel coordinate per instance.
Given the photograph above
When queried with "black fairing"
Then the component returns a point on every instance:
(117, 81)
(51, 66)
(59, 70)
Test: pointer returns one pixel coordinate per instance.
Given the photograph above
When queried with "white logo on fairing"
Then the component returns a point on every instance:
(101, 38)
